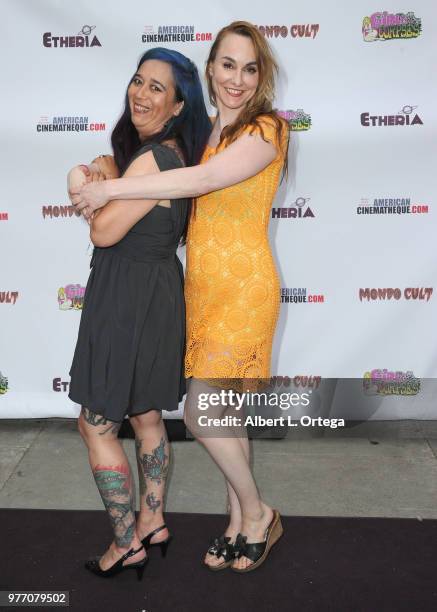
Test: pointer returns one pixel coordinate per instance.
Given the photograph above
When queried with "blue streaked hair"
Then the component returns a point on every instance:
(191, 128)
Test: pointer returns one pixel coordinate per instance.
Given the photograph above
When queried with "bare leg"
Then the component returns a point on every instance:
(234, 509)
(112, 474)
(229, 454)
(234, 527)
(153, 453)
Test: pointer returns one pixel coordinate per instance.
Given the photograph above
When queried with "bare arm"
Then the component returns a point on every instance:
(112, 222)
(105, 164)
(100, 169)
(244, 158)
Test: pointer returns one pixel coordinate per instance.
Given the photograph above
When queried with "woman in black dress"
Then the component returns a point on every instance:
(129, 353)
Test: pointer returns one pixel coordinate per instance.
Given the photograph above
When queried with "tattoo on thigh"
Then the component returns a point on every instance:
(115, 487)
(155, 465)
(97, 419)
(152, 502)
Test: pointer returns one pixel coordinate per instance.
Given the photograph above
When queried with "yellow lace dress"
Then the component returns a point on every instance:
(232, 286)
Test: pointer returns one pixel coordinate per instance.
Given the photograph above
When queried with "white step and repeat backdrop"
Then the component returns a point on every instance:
(353, 230)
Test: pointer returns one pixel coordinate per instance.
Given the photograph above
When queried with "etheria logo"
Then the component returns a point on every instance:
(82, 39)
(405, 117)
(298, 210)
(391, 26)
(60, 385)
(298, 120)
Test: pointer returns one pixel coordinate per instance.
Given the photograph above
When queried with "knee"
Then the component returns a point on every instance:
(87, 431)
(82, 428)
(147, 420)
(187, 420)
(191, 422)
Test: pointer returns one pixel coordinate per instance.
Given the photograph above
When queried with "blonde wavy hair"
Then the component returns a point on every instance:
(262, 101)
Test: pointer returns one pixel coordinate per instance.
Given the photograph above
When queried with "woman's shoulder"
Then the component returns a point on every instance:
(270, 127)
(167, 150)
(166, 156)
(173, 151)
(271, 122)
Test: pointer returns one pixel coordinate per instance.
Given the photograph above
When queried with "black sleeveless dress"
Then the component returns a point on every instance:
(130, 348)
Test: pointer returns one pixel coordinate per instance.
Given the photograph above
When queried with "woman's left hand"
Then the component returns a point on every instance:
(90, 198)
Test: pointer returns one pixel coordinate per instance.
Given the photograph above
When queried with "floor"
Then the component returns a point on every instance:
(381, 469)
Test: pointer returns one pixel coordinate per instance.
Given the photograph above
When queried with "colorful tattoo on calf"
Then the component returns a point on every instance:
(152, 502)
(97, 419)
(115, 487)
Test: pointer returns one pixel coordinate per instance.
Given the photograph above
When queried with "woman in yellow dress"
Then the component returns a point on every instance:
(232, 287)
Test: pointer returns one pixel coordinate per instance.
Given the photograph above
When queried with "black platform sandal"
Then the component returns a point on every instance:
(162, 545)
(221, 547)
(93, 565)
(258, 551)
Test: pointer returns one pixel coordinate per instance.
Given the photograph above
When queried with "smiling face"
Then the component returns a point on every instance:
(234, 72)
(152, 99)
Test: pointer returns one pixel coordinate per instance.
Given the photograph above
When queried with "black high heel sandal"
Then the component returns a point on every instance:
(162, 545)
(93, 565)
(221, 547)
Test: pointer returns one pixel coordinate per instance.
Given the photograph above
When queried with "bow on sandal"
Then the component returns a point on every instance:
(258, 551)
(221, 547)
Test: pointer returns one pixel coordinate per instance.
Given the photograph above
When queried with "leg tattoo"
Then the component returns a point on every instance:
(155, 466)
(115, 486)
(152, 470)
(152, 502)
(97, 419)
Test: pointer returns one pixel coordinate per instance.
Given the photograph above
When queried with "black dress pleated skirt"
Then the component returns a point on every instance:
(130, 347)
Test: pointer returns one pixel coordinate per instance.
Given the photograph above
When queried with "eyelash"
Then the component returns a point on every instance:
(137, 81)
(251, 70)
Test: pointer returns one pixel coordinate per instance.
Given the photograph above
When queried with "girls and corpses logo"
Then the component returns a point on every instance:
(71, 297)
(385, 382)
(3, 384)
(298, 120)
(391, 26)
